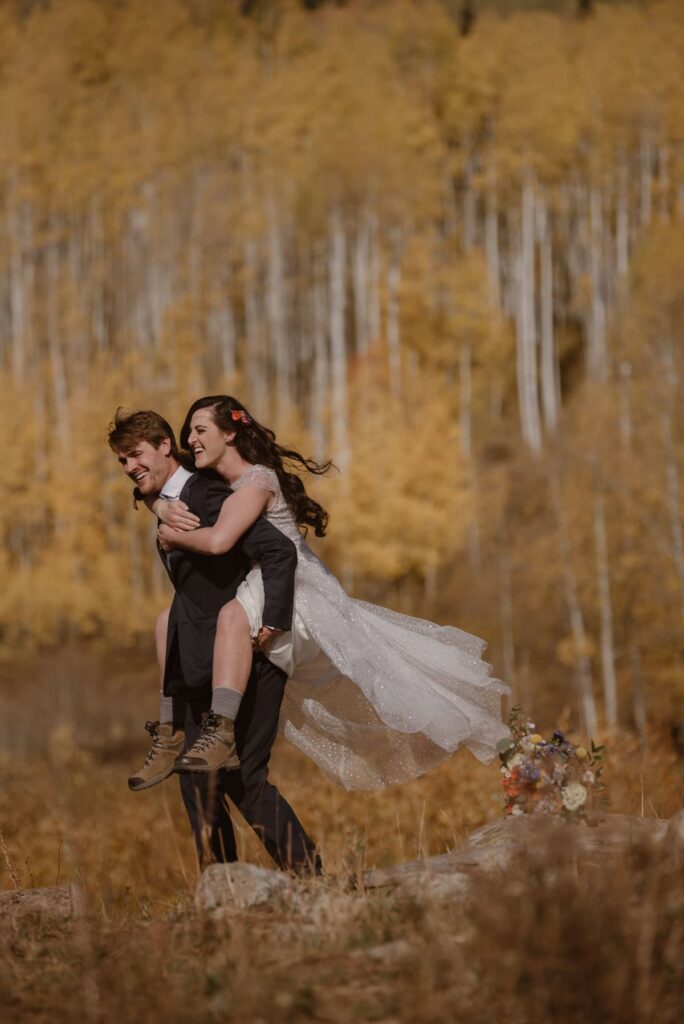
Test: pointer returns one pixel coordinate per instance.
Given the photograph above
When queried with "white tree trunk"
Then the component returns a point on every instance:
(679, 202)
(549, 367)
(671, 468)
(277, 317)
(361, 268)
(625, 407)
(465, 409)
(492, 249)
(321, 368)
(22, 274)
(526, 334)
(663, 184)
(156, 267)
(606, 610)
(222, 331)
(53, 328)
(640, 719)
(596, 328)
(76, 274)
(622, 218)
(393, 328)
(374, 314)
(255, 361)
(132, 299)
(338, 341)
(510, 268)
(646, 179)
(575, 243)
(469, 206)
(466, 444)
(583, 676)
(506, 612)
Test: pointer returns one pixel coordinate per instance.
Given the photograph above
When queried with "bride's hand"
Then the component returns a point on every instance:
(264, 636)
(165, 538)
(175, 514)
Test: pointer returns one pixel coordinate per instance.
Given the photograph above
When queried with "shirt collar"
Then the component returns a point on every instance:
(175, 484)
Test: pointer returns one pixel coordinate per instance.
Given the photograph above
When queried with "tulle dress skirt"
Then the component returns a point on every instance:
(375, 697)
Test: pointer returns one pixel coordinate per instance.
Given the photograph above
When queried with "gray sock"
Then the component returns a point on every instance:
(226, 702)
(165, 709)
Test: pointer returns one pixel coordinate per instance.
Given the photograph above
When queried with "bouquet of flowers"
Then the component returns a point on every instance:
(548, 776)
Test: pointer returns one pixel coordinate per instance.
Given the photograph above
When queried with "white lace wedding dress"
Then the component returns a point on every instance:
(373, 697)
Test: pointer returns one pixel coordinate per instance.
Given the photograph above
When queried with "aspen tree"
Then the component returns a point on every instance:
(581, 661)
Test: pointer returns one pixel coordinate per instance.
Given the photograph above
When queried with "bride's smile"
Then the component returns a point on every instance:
(207, 441)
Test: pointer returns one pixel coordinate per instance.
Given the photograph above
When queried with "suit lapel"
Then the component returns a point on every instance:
(187, 487)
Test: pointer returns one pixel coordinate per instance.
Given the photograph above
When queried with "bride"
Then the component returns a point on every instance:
(373, 697)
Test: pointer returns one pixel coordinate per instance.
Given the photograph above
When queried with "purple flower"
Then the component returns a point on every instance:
(559, 736)
(530, 772)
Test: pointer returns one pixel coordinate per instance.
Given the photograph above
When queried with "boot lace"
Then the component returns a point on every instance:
(153, 729)
(208, 734)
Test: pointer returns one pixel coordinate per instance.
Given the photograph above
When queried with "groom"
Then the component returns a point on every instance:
(146, 448)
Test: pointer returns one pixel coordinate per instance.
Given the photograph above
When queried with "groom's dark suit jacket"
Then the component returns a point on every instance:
(204, 583)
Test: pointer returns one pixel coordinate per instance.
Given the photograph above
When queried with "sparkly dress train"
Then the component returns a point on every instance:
(373, 697)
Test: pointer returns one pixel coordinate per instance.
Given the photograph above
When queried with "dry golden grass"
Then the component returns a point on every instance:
(551, 939)
(68, 816)
(600, 944)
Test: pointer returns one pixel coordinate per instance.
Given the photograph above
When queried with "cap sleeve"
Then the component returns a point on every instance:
(259, 476)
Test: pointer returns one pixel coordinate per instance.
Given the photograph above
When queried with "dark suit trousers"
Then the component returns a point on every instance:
(258, 800)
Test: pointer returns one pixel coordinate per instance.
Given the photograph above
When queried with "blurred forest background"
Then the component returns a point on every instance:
(439, 242)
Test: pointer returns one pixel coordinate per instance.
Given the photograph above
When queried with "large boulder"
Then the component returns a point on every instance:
(313, 902)
(448, 877)
(240, 885)
(675, 831)
(492, 847)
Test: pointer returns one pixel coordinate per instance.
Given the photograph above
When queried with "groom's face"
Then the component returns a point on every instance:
(147, 466)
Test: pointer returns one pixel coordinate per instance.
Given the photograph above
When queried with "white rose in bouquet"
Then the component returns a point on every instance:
(574, 796)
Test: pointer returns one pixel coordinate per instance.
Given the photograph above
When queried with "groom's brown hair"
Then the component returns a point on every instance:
(129, 428)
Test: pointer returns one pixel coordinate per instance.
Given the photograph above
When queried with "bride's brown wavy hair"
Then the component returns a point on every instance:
(257, 444)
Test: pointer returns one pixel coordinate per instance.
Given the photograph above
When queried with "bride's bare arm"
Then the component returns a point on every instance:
(174, 512)
(238, 512)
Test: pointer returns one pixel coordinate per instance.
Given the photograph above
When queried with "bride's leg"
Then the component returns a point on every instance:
(232, 650)
(232, 665)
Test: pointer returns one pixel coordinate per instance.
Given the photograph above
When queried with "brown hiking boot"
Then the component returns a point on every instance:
(214, 748)
(167, 743)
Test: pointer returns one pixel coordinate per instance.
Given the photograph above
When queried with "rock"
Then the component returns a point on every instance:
(492, 847)
(447, 878)
(56, 903)
(446, 885)
(239, 885)
(387, 953)
(314, 902)
(488, 848)
(445, 888)
(675, 830)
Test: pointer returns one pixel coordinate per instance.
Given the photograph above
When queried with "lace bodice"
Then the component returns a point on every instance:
(278, 511)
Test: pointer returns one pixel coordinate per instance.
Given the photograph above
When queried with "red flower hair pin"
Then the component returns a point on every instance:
(242, 416)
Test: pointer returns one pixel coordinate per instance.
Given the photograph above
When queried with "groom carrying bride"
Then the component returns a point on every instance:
(145, 446)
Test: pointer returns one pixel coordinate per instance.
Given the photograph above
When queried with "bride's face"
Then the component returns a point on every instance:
(207, 441)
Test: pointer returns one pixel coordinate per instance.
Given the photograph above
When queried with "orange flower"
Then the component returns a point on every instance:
(241, 416)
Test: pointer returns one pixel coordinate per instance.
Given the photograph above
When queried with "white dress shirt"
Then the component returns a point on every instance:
(174, 485)
(171, 491)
